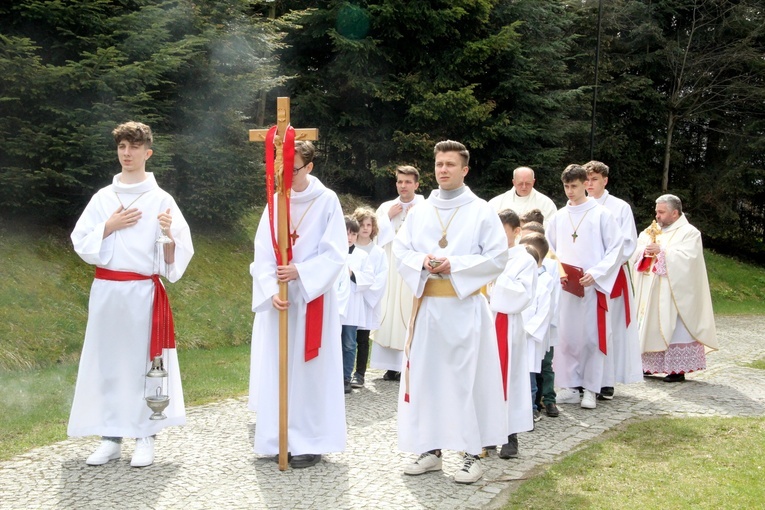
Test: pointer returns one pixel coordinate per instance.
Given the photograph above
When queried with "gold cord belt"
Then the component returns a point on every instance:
(441, 287)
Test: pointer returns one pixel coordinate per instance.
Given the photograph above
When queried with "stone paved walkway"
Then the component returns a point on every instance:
(209, 464)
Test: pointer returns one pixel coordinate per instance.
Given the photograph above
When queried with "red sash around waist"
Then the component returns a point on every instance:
(314, 318)
(621, 288)
(162, 328)
(501, 324)
(602, 309)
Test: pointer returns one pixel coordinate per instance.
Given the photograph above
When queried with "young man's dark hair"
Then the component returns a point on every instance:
(509, 218)
(574, 173)
(351, 225)
(452, 146)
(538, 242)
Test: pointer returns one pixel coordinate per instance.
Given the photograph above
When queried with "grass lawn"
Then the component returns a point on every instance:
(699, 463)
(737, 288)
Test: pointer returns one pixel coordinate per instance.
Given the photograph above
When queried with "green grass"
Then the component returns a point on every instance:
(700, 463)
(44, 296)
(737, 288)
(758, 364)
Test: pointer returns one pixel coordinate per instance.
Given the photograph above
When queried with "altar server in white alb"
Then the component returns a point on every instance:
(373, 297)
(511, 294)
(675, 316)
(316, 407)
(117, 233)
(623, 360)
(585, 235)
(354, 312)
(451, 394)
(390, 337)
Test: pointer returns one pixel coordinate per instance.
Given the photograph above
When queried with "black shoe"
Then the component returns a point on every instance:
(510, 449)
(347, 385)
(357, 381)
(606, 393)
(674, 378)
(275, 458)
(392, 375)
(304, 461)
(552, 410)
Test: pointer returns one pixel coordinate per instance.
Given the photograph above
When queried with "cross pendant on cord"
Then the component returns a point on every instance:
(574, 236)
(294, 236)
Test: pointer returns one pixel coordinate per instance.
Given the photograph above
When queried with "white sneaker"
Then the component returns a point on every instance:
(144, 452)
(568, 396)
(471, 470)
(426, 462)
(588, 400)
(106, 451)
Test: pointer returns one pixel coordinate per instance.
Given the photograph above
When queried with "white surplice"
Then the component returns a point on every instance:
(522, 205)
(111, 382)
(373, 296)
(537, 320)
(513, 293)
(597, 248)
(552, 270)
(389, 338)
(454, 380)
(355, 313)
(623, 363)
(316, 407)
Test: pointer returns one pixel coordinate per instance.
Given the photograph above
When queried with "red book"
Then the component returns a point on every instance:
(571, 284)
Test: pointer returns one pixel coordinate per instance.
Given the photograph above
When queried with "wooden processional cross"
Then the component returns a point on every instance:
(283, 240)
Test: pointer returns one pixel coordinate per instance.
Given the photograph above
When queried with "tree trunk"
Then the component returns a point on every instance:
(667, 152)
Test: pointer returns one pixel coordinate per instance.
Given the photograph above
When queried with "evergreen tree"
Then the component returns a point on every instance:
(489, 73)
(72, 70)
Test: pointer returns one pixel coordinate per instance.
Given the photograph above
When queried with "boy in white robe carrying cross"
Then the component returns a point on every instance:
(316, 404)
(118, 233)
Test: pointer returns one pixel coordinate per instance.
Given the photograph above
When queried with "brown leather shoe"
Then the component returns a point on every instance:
(552, 410)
